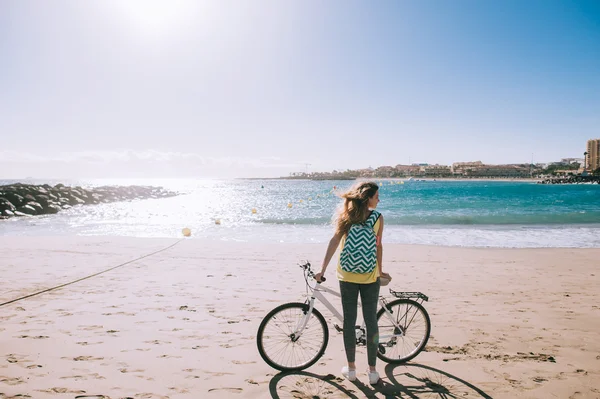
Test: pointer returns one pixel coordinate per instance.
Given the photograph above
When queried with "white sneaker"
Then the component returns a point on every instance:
(350, 375)
(373, 377)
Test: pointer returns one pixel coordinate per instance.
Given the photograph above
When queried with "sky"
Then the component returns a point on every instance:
(177, 88)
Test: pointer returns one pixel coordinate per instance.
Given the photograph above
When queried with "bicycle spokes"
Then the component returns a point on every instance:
(280, 343)
(403, 330)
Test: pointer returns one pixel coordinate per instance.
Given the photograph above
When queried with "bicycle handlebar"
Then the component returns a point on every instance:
(309, 272)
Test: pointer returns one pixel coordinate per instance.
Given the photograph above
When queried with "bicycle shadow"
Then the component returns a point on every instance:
(403, 381)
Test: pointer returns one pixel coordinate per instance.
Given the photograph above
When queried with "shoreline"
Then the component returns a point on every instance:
(415, 178)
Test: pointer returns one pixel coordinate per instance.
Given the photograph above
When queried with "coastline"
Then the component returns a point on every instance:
(500, 319)
(462, 179)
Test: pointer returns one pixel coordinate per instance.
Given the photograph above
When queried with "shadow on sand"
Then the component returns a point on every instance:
(402, 381)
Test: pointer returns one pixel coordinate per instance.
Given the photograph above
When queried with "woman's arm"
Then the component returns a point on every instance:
(380, 250)
(331, 248)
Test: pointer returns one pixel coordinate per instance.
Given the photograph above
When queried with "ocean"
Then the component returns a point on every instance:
(452, 213)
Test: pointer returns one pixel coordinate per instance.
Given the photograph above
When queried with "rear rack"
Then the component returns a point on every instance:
(409, 295)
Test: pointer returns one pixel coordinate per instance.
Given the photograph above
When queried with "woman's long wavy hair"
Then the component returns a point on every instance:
(355, 208)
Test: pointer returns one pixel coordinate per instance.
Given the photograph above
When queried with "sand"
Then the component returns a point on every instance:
(507, 323)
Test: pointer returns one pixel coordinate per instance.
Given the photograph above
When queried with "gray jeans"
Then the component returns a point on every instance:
(369, 295)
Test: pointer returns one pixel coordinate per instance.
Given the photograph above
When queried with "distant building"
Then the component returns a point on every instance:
(407, 170)
(385, 171)
(460, 168)
(436, 170)
(569, 161)
(479, 169)
(593, 154)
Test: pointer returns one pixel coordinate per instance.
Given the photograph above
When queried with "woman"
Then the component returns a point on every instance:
(358, 232)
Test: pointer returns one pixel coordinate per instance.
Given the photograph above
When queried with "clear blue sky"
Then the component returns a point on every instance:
(149, 88)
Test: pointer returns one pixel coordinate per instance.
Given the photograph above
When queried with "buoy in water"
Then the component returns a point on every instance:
(217, 221)
(301, 201)
(253, 210)
(186, 232)
(289, 205)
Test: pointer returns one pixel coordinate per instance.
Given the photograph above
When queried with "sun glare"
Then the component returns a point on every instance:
(161, 16)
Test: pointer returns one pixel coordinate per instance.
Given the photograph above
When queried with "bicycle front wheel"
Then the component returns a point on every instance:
(403, 332)
(283, 346)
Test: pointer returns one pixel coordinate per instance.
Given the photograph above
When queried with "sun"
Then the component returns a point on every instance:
(160, 16)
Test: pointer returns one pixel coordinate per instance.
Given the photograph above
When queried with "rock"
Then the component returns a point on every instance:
(39, 209)
(27, 209)
(53, 208)
(26, 199)
(14, 198)
(43, 199)
(73, 200)
(5, 204)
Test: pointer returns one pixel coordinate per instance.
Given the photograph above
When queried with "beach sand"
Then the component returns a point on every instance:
(506, 323)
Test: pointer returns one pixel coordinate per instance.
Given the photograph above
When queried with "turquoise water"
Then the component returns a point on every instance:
(467, 213)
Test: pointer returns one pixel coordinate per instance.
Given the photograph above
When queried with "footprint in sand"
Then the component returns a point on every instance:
(241, 362)
(84, 358)
(217, 373)
(59, 390)
(168, 357)
(76, 377)
(157, 342)
(125, 370)
(11, 381)
(89, 328)
(34, 337)
(14, 358)
(228, 390)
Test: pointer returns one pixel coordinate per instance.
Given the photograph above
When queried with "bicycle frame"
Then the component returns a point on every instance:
(317, 293)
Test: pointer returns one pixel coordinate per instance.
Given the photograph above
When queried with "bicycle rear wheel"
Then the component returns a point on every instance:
(278, 343)
(404, 333)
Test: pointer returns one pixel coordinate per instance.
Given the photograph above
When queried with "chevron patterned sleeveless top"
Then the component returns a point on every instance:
(359, 278)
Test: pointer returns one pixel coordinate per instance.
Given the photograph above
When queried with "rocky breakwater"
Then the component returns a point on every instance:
(28, 200)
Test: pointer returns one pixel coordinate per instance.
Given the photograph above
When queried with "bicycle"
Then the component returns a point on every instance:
(294, 336)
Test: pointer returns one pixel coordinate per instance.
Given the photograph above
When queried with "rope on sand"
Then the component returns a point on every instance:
(90, 276)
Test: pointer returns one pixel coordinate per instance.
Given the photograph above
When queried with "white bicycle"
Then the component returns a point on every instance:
(293, 336)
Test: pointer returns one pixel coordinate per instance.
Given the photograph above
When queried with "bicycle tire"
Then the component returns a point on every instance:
(413, 309)
(278, 354)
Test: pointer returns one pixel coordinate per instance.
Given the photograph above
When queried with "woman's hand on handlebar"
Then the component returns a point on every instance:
(320, 277)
